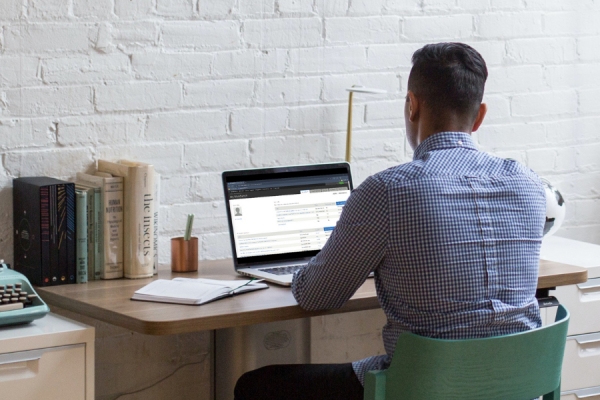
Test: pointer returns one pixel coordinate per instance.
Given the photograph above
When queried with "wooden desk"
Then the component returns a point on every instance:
(109, 301)
(553, 274)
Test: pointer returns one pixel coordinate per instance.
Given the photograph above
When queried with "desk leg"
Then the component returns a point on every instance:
(242, 349)
(542, 293)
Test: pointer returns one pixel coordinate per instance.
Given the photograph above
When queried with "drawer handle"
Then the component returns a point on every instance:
(22, 356)
(590, 284)
(584, 393)
(589, 338)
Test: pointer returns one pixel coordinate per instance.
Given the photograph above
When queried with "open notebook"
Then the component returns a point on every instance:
(194, 291)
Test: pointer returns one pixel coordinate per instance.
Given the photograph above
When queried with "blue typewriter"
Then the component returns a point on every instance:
(19, 303)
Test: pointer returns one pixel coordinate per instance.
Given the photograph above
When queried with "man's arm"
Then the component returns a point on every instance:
(354, 249)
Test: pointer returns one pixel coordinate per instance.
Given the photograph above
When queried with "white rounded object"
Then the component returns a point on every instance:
(555, 209)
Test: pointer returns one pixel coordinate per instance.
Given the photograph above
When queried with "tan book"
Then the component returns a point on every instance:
(156, 203)
(138, 195)
(111, 220)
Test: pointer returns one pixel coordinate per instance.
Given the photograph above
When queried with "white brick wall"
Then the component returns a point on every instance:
(196, 87)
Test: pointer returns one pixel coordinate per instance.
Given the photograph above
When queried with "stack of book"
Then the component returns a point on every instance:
(103, 226)
(44, 228)
(122, 221)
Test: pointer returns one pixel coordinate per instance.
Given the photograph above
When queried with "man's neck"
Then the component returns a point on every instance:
(430, 125)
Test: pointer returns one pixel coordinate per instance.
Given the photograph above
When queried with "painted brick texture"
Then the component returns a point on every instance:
(196, 87)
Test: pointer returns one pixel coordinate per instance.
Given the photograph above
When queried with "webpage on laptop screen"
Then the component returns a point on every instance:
(273, 216)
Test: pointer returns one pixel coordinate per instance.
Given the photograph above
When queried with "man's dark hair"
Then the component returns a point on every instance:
(449, 77)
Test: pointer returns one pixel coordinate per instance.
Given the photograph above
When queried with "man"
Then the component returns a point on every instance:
(453, 236)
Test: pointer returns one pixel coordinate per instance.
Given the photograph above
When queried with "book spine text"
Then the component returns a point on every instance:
(81, 231)
(113, 229)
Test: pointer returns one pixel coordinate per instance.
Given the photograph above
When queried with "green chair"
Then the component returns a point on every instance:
(520, 366)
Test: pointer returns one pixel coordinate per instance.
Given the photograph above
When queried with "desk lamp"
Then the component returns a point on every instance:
(352, 90)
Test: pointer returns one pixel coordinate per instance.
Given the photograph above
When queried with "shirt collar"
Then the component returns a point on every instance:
(444, 140)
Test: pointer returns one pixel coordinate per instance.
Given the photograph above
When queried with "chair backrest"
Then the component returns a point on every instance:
(518, 366)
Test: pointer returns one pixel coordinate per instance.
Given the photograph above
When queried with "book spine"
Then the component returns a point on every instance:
(90, 234)
(143, 222)
(71, 240)
(156, 219)
(44, 235)
(61, 266)
(61, 213)
(81, 230)
(113, 229)
(54, 239)
(98, 234)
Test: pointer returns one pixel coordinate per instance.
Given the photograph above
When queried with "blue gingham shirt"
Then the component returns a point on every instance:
(453, 238)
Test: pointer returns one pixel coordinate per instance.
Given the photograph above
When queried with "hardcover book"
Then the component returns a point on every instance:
(138, 194)
(66, 242)
(156, 205)
(156, 220)
(95, 227)
(93, 230)
(81, 234)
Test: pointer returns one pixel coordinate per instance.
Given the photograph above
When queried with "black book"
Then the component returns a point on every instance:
(64, 270)
(71, 234)
(44, 226)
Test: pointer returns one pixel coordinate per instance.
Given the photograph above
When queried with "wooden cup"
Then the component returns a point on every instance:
(184, 254)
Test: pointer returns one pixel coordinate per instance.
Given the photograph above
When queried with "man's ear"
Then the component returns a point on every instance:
(413, 106)
(480, 116)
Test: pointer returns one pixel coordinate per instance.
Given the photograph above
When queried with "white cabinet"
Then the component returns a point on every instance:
(592, 393)
(51, 358)
(581, 365)
(583, 302)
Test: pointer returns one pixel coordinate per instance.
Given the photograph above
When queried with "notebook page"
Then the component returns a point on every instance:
(190, 290)
(231, 284)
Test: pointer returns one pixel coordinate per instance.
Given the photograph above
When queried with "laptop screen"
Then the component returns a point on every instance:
(284, 213)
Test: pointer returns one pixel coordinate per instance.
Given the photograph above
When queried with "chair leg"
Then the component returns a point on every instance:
(554, 395)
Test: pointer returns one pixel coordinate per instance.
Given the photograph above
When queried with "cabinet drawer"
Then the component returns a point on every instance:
(592, 393)
(583, 302)
(50, 373)
(580, 365)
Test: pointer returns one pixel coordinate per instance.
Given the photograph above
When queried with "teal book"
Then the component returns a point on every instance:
(98, 224)
(93, 196)
(81, 235)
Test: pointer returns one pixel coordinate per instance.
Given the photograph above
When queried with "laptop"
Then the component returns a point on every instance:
(279, 218)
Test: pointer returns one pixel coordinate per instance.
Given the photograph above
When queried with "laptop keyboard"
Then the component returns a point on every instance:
(288, 269)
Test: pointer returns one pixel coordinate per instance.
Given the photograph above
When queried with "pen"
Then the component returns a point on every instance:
(232, 291)
(188, 227)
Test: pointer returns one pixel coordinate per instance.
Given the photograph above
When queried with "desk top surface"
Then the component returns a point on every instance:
(109, 301)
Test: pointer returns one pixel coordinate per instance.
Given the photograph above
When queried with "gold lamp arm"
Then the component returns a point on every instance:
(349, 129)
(358, 89)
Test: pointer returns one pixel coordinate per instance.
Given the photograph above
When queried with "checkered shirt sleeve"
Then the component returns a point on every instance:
(344, 262)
